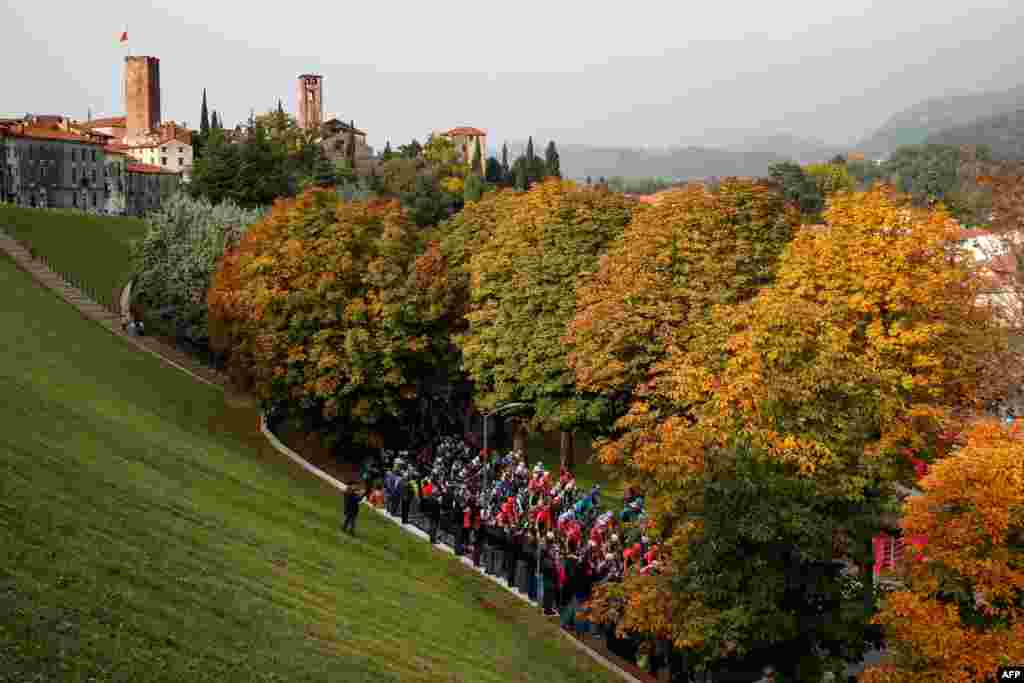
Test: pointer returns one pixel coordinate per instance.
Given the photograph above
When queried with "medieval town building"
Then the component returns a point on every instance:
(465, 139)
(122, 164)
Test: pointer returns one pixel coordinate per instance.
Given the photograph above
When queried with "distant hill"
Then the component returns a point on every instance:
(684, 163)
(914, 125)
(1003, 134)
(801, 150)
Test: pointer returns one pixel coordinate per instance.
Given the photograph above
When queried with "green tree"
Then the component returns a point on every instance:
(799, 188)
(350, 146)
(928, 173)
(477, 162)
(204, 118)
(831, 178)
(506, 170)
(523, 283)
(387, 153)
(865, 173)
(493, 173)
(521, 174)
(428, 204)
(175, 261)
(474, 188)
(552, 165)
(530, 163)
(412, 150)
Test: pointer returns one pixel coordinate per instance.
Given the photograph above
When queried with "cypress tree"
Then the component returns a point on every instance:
(350, 151)
(551, 161)
(529, 161)
(506, 172)
(204, 118)
(478, 156)
(387, 154)
(522, 179)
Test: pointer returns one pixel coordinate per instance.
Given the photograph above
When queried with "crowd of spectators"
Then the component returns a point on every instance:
(536, 530)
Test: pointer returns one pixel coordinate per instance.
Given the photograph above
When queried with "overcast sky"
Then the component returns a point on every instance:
(610, 73)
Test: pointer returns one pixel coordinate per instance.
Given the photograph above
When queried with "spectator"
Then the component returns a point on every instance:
(353, 496)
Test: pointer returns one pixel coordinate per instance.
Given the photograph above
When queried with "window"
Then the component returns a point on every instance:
(74, 154)
(74, 198)
(94, 155)
(163, 161)
(94, 199)
(74, 175)
(93, 175)
(181, 162)
(163, 150)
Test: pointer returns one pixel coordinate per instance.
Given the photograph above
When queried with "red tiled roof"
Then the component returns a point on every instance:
(51, 134)
(466, 130)
(148, 168)
(109, 122)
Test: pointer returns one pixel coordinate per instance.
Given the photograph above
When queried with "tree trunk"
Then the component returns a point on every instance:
(467, 420)
(520, 433)
(567, 451)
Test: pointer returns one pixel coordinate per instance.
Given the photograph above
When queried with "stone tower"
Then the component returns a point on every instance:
(311, 103)
(142, 95)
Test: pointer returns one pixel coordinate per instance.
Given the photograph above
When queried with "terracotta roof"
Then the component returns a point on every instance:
(110, 122)
(148, 168)
(343, 125)
(51, 134)
(116, 148)
(468, 131)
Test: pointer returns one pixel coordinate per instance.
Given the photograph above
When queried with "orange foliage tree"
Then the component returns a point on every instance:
(333, 309)
(695, 248)
(961, 614)
(868, 338)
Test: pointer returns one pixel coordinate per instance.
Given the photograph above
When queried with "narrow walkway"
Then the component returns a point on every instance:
(105, 317)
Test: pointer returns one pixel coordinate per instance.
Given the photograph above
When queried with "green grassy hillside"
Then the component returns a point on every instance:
(149, 533)
(94, 249)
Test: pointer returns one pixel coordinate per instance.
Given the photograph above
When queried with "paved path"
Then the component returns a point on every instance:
(105, 317)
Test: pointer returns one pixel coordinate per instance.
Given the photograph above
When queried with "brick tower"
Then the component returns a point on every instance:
(142, 95)
(311, 103)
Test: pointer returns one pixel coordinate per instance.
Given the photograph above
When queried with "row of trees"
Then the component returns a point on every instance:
(768, 386)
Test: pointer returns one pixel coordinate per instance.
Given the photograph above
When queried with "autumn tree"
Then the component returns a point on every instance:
(695, 248)
(399, 175)
(868, 338)
(831, 178)
(522, 295)
(961, 613)
(327, 309)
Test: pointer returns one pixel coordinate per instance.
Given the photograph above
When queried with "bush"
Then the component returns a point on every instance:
(176, 259)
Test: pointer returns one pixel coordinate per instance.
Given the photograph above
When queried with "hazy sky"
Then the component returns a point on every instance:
(615, 73)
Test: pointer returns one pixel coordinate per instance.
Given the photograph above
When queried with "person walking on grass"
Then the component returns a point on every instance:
(353, 496)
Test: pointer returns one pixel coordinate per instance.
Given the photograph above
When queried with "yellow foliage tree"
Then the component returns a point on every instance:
(962, 613)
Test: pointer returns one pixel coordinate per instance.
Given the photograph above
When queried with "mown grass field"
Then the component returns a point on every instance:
(149, 533)
(94, 249)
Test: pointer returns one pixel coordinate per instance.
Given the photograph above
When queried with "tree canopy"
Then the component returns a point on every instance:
(522, 295)
(333, 309)
(961, 614)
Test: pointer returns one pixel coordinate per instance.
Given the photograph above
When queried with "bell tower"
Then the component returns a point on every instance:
(311, 103)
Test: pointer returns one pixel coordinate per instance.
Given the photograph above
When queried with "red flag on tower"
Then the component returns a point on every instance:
(124, 36)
